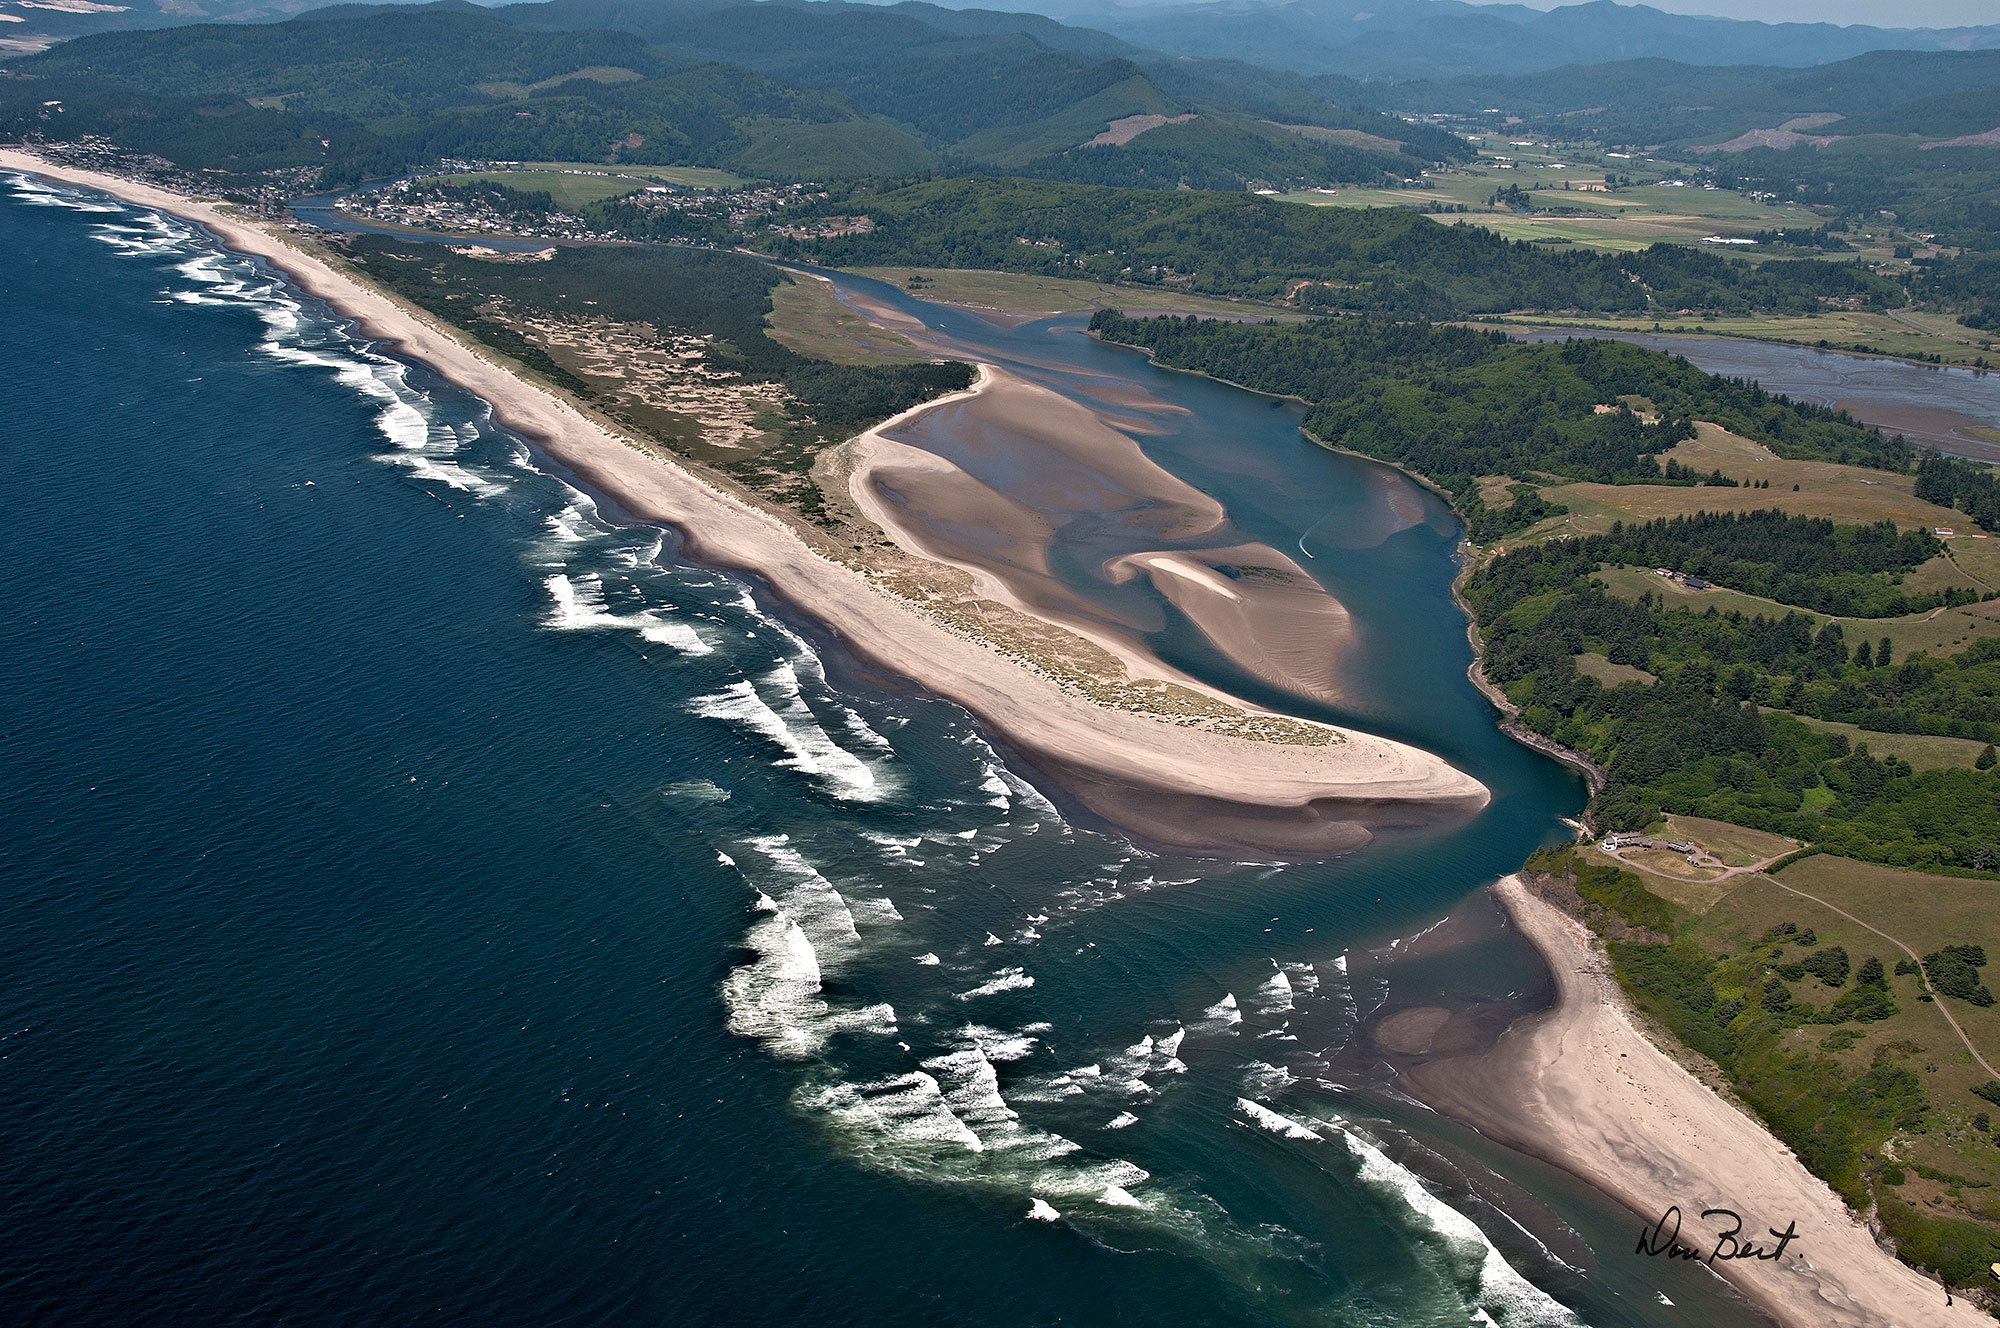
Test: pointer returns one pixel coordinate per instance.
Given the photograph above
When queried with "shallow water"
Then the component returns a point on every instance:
(431, 898)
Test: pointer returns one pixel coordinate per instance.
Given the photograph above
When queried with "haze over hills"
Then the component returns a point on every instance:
(1409, 39)
(1390, 40)
(770, 91)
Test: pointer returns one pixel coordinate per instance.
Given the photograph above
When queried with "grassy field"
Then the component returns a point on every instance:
(1921, 750)
(1593, 665)
(569, 189)
(1019, 292)
(1926, 913)
(692, 177)
(1941, 632)
(1848, 494)
(1734, 844)
(1910, 335)
(807, 317)
(1623, 219)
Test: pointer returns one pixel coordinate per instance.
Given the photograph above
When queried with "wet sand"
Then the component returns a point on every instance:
(1179, 780)
(1258, 607)
(1581, 1087)
(1059, 459)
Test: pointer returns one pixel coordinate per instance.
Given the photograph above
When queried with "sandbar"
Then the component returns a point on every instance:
(1258, 607)
(1247, 780)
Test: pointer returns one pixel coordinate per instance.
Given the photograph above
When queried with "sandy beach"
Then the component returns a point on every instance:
(1223, 778)
(1580, 1086)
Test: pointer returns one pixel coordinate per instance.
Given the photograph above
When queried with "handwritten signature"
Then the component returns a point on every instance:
(1664, 1237)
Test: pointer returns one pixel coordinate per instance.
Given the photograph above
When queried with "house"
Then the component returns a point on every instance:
(1943, 532)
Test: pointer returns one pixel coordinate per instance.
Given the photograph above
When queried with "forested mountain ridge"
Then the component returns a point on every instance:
(1404, 39)
(390, 88)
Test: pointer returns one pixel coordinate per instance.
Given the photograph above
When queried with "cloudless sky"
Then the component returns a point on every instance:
(1875, 13)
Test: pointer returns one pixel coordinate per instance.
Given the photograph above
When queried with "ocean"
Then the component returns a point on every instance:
(431, 897)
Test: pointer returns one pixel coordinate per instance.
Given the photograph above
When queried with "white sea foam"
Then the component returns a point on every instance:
(577, 604)
(806, 746)
(1221, 1017)
(1303, 977)
(1041, 1212)
(775, 998)
(699, 790)
(873, 911)
(30, 190)
(1002, 1046)
(1274, 996)
(902, 1110)
(1007, 979)
(1502, 1290)
(995, 788)
(1262, 1079)
(1266, 1119)
(1122, 1120)
(810, 898)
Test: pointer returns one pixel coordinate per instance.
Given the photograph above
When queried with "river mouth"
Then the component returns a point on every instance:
(538, 925)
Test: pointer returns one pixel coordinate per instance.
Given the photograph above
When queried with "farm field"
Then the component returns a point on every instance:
(1847, 494)
(1628, 218)
(1942, 632)
(1921, 750)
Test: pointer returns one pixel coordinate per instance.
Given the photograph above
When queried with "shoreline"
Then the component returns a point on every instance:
(1177, 781)
(1580, 1086)
(1510, 714)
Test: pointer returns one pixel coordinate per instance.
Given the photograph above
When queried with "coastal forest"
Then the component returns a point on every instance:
(1455, 404)
(1334, 259)
(1718, 727)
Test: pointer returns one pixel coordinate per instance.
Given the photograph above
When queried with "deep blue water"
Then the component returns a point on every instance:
(425, 899)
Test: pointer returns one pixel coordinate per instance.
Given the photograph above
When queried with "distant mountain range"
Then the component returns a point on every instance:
(1364, 39)
(1424, 39)
(766, 90)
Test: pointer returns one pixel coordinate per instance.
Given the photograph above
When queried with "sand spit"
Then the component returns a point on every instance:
(1579, 1086)
(1258, 607)
(1242, 781)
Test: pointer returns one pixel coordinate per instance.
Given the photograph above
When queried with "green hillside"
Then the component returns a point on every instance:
(1329, 258)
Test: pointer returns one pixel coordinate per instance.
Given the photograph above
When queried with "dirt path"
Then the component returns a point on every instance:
(1914, 958)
